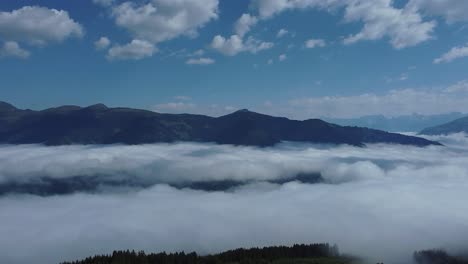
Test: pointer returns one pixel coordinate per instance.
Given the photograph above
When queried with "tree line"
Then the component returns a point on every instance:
(438, 256)
(244, 256)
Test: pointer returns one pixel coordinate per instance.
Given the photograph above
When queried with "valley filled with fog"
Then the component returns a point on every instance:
(381, 202)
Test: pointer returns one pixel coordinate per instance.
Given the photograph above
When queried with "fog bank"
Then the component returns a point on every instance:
(383, 201)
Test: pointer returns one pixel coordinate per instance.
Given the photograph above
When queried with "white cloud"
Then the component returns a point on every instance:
(244, 24)
(282, 57)
(403, 77)
(161, 20)
(230, 47)
(200, 61)
(183, 98)
(281, 33)
(268, 8)
(419, 187)
(460, 87)
(404, 27)
(103, 2)
(175, 107)
(38, 25)
(451, 10)
(453, 54)
(102, 43)
(235, 45)
(197, 53)
(12, 49)
(314, 43)
(392, 103)
(135, 50)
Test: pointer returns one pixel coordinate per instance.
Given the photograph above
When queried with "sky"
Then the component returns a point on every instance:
(296, 58)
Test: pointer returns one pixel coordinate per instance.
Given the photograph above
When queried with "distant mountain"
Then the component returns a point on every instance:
(456, 126)
(408, 123)
(98, 124)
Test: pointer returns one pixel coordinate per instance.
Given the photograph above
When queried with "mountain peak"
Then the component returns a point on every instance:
(97, 107)
(6, 107)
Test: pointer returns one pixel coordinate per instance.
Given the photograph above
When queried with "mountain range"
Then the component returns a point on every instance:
(98, 124)
(406, 123)
(457, 126)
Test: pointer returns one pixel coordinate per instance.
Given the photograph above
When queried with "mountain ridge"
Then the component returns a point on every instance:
(403, 123)
(99, 124)
(456, 126)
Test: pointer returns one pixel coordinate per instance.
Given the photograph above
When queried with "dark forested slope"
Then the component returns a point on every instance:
(99, 124)
(315, 253)
(456, 126)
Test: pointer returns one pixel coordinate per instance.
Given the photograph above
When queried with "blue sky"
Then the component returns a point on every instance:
(336, 58)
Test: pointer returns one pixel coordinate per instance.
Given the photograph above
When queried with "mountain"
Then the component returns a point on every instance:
(98, 124)
(407, 123)
(456, 126)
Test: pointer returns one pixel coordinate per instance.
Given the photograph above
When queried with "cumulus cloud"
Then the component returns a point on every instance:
(230, 46)
(135, 50)
(38, 25)
(244, 24)
(453, 54)
(102, 43)
(315, 43)
(404, 27)
(151, 22)
(160, 20)
(282, 57)
(13, 49)
(200, 61)
(281, 33)
(235, 44)
(365, 189)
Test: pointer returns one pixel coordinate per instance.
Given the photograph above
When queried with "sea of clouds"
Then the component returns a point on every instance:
(382, 201)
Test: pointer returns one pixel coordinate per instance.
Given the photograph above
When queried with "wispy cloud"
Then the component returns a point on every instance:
(453, 54)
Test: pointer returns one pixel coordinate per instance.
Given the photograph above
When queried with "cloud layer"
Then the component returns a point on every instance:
(382, 201)
(392, 103)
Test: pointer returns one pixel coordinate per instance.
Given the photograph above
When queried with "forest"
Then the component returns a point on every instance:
(438, 256)
(297, 254)
(313, 253)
